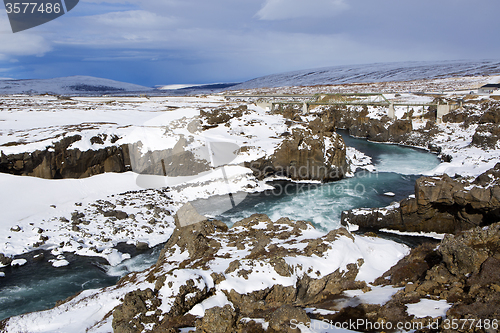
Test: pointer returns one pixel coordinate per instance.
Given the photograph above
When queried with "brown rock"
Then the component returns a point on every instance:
(286, 318)
(5, 261)
(218, 320)
(442, 205)
(304, 156)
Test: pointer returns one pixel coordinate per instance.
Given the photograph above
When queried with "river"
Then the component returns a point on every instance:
(38, 286)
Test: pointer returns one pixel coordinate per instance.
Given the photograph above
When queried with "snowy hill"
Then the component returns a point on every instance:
(382, 72)
(71, 85)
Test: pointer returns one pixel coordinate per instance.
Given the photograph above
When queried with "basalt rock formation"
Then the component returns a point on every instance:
(441, 204)
(464, 270)
(183, 284)
(57, 161)
(311, 153)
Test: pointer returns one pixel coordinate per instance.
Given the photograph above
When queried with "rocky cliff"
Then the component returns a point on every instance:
(441, 204)
(309, 151)
(463, 271)
(58, 161)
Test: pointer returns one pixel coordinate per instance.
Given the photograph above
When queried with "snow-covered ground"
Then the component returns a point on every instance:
(92, 307)
(90, 216)
(36, 208)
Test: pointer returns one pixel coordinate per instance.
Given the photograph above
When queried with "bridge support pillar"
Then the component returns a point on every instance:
(305, 108)
(441, 111)
(265, 105)
(392, 111)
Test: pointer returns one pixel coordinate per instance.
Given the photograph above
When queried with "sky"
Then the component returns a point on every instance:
(160, 42)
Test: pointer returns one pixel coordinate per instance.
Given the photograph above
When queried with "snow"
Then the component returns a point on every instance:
(38, 204)
(59, 263)
(381, 72)
(28, 204)
(68, 85)
(90, 306)
(358, 161)
(378, 295)
(434, 235)
(18, 262)
(320, 311)
(219, 299)
(427, 307)
(378, 256)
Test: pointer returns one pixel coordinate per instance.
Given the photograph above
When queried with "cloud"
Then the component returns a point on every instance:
(22, 45)
(291, 9)
(123, 29)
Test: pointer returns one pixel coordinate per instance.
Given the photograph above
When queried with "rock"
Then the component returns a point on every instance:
(195, 239)
(464, 116)
(313, 291)
(4, 261)
(286, 318)
(305, 156)
(463, 270)
(218, 320)
(120, 215)
(168, 162)
(492, 115)
(466, 252)
(141, 246)
(411, 268)
(15, 228)
(98, 139)
(126, 317)
(486, 136)
(399, 130)
(214, 117)
(58, 161)
(488, 274)
(187, 215)
(441, 204)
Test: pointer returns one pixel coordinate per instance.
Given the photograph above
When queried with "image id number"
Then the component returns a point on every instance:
(32, 7)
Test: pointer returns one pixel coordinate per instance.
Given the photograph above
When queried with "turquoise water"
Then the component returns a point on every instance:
(37, 285)
(321, 204)
(397, 168)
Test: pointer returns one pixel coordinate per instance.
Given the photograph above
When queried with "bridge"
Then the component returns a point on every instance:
(274, 101)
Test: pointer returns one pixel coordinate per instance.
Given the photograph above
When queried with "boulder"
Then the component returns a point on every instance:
(126, 317)
(218, 320)
(486, 136)
(462, 269)
(492, 115)
(4, 261)
(286, 318)
(214, 117)
(187, 215)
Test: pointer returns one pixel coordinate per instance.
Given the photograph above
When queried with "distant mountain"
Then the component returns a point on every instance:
(381, 72)
(71, 85)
